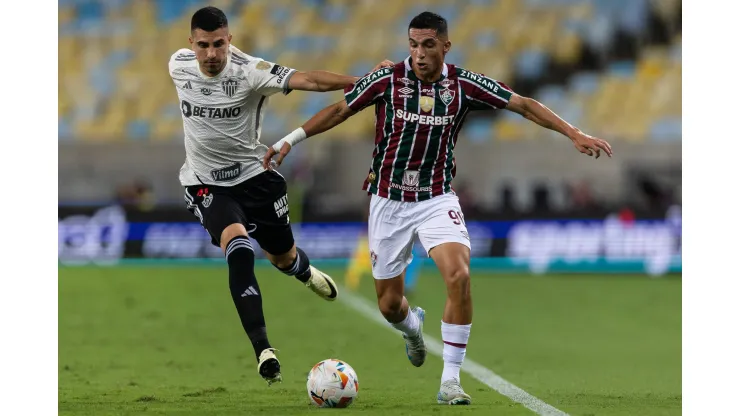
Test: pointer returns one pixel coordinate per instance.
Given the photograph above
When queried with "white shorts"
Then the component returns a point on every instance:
(393, 226)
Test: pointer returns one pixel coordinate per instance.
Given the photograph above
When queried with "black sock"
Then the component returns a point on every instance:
(246, 292)
(300, 267)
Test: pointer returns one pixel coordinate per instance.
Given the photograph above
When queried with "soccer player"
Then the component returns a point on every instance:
(223, 93)
(420, 105)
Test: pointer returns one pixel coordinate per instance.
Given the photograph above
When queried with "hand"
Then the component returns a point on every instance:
(591, 145)
(268, 163)
(385, 64)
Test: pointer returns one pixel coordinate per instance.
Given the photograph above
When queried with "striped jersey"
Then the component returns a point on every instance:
(417, 124)
(222, 115)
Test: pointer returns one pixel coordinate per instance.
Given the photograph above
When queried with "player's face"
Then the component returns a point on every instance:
(211, 49)
(428, 51)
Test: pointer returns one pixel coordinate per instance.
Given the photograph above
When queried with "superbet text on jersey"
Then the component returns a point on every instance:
(222, 115)
(417, 124)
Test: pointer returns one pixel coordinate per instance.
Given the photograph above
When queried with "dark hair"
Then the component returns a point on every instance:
(209, 19)
(429, 20)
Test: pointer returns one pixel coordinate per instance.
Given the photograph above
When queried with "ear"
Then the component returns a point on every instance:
(229, 38)
(446, 47)
(190, 39)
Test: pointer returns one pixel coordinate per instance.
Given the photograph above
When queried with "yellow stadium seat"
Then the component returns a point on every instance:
(507, 130)
(66, 15)
(167, 130)
(566, 49)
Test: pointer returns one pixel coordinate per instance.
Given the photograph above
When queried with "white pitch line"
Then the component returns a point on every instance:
(477, 371)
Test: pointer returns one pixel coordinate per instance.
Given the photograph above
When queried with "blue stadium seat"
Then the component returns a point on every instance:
(633, 16)
(280, 15)
(624, 69)
(478, 130)
(599, 32)
(335, 13)
(171, 111)
(316, 104)
(530, 63)
(487, 39)
(103, 81)
(169, 11)
(138, 130)
(65, 129)
(90, 10)
(666, 129)
(584, 83)
(552, 95)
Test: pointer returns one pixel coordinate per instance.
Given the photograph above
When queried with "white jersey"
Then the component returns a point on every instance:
(222, 115)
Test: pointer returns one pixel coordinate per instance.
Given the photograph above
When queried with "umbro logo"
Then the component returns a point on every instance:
(405, 90)
(187, 86)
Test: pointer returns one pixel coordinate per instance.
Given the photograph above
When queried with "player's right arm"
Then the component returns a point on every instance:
(365, 92)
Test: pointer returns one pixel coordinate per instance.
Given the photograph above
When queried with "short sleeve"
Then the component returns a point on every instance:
(180, 59)
(268, 78)
(482, 92)
(367, 89)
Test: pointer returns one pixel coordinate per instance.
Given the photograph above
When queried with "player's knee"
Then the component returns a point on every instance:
(285, 260)
(458, 283)
(390, 305)
(233, 230)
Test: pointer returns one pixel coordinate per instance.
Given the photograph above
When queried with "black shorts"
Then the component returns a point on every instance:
(260, 204)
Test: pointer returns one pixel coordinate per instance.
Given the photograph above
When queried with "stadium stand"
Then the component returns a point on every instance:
(601, 64)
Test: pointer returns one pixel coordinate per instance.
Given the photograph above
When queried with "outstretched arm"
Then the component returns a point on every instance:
(324, 120)
(323, 81)
(535, 111)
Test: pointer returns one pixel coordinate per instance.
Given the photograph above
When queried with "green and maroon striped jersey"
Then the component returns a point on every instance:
(417, 124)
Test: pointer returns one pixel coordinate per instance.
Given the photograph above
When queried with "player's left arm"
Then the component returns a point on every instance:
(537, 112)
(323, 81)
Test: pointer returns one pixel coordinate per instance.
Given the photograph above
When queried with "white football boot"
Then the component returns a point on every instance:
(450, 392)
(322, 284)
(416, 350)
(269, 366)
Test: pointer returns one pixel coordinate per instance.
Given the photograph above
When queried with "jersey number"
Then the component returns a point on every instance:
(456, 216)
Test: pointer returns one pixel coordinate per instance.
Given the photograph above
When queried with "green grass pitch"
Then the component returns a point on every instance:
(167, 340)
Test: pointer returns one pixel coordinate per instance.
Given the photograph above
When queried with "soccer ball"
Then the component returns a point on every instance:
(332, 383)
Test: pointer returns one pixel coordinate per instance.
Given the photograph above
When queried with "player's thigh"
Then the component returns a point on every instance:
(443, 222)
(390, 238)
(218, 211)
(264, 198)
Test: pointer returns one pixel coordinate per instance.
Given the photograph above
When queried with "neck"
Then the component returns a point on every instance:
(430, 78)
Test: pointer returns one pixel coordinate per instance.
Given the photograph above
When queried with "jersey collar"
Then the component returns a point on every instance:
(412, 74)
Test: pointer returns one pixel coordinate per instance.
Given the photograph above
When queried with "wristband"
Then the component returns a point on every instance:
(296, 136)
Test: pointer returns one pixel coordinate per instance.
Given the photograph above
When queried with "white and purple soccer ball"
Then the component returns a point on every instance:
(332, 383)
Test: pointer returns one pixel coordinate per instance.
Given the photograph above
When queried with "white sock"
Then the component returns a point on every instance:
(455, 338)
(409, 325)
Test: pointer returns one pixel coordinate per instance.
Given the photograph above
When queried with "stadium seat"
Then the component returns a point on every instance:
(113, 54)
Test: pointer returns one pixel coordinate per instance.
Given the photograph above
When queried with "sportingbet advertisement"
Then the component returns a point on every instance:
(110, 235)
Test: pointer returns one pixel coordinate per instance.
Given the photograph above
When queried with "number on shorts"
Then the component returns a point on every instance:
(457, 217)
